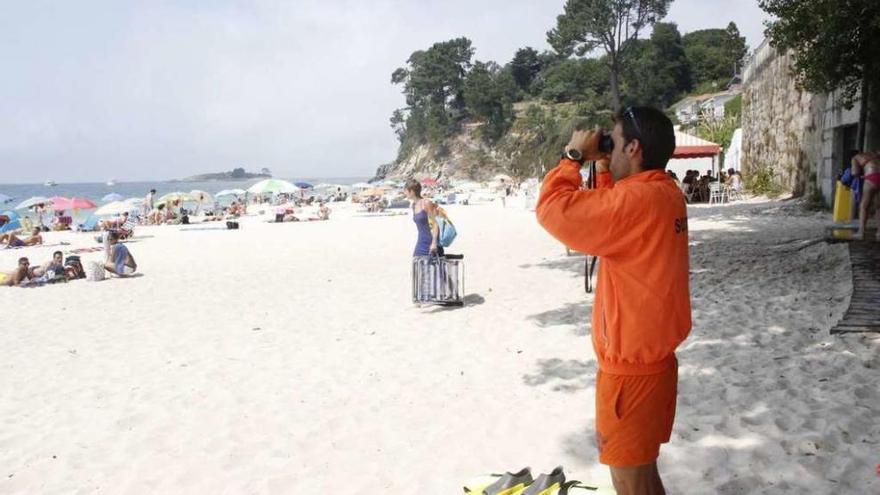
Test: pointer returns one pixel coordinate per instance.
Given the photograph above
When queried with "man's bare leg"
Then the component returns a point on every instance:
(637, 480)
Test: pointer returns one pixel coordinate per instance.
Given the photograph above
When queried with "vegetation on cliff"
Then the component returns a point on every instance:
(523, 111)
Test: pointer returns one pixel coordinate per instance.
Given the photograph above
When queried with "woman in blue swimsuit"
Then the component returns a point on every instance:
(423, 211)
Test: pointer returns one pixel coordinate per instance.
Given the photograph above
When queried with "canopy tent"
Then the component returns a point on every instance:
(689, 146)
(693, 153)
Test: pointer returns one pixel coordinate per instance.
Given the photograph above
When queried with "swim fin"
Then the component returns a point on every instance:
(504, 484)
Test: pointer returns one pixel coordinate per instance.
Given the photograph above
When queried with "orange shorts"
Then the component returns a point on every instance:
(634, 415)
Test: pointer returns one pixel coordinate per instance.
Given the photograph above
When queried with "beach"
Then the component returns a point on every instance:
(288, 358)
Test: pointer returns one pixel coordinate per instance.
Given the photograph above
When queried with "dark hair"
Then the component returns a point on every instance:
(414, 186)
(730, 171)
(57, 252)
(654, 131)
(153, 191)
(113, 236)
(23, 258)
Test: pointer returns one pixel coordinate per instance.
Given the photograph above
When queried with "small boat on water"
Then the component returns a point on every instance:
(50, 183)
(111, 182)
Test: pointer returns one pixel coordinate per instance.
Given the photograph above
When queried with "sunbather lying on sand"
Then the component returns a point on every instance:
(14, 241)
(23, 274)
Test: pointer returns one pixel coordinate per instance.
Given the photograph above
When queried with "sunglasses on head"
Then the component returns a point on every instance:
(628, 113)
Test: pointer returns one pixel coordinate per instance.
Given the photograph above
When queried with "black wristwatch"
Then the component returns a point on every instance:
(574, 155)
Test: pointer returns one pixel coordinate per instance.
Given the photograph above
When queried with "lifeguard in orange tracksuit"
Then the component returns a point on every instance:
(635, 221)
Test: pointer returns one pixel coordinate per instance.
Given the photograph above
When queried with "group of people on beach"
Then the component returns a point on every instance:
(696, 187)
(118, 260)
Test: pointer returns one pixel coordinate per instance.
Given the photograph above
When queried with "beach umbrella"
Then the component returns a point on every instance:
(4, 198)
(272, 186)
(175, 196)
(303, 185)
(31, 202)
(112, 197)
(202, 197)
(12, 221)
(60, 203)
(230, 192)
(115, 208)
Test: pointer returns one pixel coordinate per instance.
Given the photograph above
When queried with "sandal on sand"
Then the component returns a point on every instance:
(500, 484)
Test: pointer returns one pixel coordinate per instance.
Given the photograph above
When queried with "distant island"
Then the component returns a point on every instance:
(234, 174)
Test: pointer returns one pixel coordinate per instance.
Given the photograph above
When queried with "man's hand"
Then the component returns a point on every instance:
(587, 142)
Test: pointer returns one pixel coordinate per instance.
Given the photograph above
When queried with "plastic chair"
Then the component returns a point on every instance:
(717, 193)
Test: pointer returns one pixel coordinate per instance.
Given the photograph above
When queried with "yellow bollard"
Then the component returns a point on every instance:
(842, 211)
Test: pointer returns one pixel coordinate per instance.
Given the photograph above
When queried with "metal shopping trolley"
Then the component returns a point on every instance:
(438, 280)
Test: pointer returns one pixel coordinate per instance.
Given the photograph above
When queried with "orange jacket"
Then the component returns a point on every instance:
(638, 228)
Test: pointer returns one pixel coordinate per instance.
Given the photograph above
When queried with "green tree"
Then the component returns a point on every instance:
(659, 72)
(836, 46)
(524, 67)
(586, 25)
(237, 173)
(574, 80)
(433, 83)
(489, 93)
(714, 54)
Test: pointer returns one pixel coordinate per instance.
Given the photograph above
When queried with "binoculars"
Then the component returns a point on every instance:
(606, 144)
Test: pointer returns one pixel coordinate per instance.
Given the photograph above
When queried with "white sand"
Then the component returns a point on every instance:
(288, 359)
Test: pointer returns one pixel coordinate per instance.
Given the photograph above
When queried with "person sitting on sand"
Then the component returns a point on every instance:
(21, 275)
(53, 267)
(323, 211)
(117, 259)
(116, 222)
(14, 241)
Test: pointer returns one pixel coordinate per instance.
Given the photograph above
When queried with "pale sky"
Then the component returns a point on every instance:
(93, 90)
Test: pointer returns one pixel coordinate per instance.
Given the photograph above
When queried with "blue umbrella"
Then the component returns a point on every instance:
(112, 197)
(13, 224)
(303, 185)
(5, 199)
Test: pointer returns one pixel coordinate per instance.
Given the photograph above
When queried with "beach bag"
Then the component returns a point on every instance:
(95, 272)
(447, 231)
(75, 263)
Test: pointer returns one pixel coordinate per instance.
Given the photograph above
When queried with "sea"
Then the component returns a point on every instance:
(96, 190)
